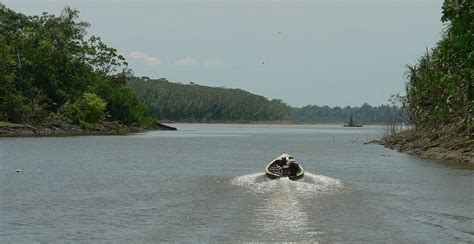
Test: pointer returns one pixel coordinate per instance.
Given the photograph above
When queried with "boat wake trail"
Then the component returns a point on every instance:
(310, 184)
(282, 203)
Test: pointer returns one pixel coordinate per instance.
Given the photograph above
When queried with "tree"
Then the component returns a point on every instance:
(47, 62)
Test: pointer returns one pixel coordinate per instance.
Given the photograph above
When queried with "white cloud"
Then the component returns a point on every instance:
(185, 62)
(213, 63)
(145, 58)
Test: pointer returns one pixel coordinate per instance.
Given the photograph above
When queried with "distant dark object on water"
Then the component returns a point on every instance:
(19, 171)
(352, 124)
(164, 127)
(284, 166)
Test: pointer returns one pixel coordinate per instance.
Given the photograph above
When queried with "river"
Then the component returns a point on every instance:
(206, 183)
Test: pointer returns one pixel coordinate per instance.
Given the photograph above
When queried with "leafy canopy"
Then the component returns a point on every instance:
(48, 62)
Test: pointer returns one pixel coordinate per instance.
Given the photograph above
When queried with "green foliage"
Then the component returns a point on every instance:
(122, 103)
(86, 111)
(439, 91)
(365, 114)
(46, 61)
(7, 76)
(192, 102)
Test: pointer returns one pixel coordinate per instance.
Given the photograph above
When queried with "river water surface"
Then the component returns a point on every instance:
(206, 183)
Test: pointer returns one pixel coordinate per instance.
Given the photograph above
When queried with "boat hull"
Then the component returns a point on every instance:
(272, 171)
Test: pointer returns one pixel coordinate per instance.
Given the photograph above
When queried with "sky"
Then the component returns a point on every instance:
(321, 52)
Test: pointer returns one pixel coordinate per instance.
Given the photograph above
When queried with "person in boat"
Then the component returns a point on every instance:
(283, 164)
(293, 167)
(283, 161)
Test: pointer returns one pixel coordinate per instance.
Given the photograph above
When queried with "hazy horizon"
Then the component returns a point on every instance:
(309, 52)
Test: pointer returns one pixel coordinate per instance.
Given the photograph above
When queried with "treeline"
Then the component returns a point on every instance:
(439, 91)
(196, 103)
(365, 114)
(50, 72)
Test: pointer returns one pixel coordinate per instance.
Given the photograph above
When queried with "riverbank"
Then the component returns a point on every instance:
(459, 150)
(64, 129)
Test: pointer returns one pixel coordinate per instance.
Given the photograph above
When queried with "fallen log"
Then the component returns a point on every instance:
(164, 127)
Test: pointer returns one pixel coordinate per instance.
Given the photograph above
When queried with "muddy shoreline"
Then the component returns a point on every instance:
(63, 129)
(456, 150)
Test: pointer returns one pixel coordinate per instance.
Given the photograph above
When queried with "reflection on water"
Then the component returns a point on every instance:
(281, 211)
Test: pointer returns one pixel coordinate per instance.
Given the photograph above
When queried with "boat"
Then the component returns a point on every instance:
(352, 124)
(274, 170)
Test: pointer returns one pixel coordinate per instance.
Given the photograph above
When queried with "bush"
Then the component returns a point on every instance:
(86, 111)
(122, 103)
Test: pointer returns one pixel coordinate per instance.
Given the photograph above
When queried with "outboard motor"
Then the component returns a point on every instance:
(285, 170)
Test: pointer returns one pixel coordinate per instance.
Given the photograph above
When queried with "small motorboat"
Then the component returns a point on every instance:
(284, 166)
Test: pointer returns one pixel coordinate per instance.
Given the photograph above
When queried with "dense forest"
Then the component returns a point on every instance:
(439, 91)
(366, 114)
(52, 71)
(196, 103)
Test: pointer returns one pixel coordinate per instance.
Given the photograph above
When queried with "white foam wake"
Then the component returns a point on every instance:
(282, 210)
(257, 183)
(312, 183)
(309, 184)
